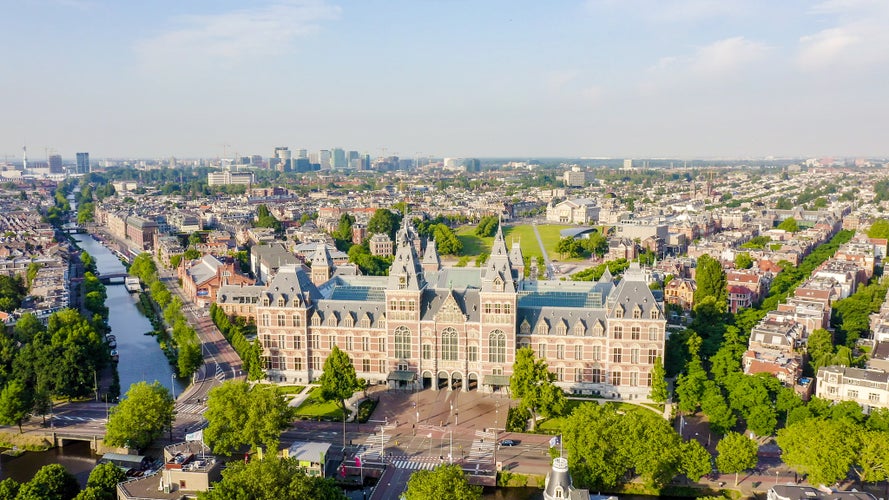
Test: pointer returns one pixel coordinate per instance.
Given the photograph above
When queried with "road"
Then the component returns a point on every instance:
(550, 271)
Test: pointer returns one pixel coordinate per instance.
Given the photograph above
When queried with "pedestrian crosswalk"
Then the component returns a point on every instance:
(482, 449)
(190, 408)
(220, 374)
(77, 419)
(415, 463)
(373, 445)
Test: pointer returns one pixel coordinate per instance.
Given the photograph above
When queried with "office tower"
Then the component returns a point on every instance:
(25, 158)
(302, 153)
(324, 159)
(83, 163)
(55, 164)
(338, 158)
(256, 160)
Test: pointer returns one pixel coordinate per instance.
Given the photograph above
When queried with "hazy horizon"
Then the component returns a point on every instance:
(684, 79)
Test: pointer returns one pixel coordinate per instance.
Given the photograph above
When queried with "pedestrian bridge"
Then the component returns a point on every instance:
(113, 278)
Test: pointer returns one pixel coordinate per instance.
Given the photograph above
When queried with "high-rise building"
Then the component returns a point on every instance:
(55, 164)
(324, 159)
(83, 163)
(338, 158)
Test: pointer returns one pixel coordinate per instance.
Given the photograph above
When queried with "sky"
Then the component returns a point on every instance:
(458, 78)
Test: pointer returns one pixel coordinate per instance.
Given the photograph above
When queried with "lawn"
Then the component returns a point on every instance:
(290, 389)
(315, 407)
(524, 234)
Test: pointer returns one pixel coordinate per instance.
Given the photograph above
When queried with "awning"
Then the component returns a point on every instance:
(402, 376)
(501, 380)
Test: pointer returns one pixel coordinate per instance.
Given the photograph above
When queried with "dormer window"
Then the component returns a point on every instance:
(637, 312)
(619, 312)
(525, 328)
(654, 313)
(281, 302)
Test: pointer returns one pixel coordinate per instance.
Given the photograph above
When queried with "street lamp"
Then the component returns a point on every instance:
(776, 477)
(173, 385)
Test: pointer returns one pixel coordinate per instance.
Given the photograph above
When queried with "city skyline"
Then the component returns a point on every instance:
(594, 78)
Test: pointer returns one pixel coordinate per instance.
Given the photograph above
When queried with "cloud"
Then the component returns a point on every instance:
(857, 38)
(230, 37)
(675, 11)
(715, 60)
(726, 56)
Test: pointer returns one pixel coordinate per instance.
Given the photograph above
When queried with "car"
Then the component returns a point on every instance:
(509, 442)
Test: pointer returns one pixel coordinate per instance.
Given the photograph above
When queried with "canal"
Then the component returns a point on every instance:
(141, 359)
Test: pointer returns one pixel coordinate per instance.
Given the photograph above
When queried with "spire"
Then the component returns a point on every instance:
(431, 260)
(606, 276)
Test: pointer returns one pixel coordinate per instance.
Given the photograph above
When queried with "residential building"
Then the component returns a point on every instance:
(867, 387)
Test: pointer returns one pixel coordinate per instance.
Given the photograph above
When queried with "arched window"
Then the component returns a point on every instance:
(497, 347)
(449, 344)
(402, 342)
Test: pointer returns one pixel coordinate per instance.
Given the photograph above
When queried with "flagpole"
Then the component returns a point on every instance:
(560, 446)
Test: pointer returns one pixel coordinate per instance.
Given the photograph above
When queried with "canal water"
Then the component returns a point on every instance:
(141, 359)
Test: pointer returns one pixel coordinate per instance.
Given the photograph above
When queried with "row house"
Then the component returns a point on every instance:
(681, 292)
(867, 387)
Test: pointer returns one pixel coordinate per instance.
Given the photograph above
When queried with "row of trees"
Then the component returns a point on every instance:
(53, 482)
(594, 244)
(186, 344)
(234, 332)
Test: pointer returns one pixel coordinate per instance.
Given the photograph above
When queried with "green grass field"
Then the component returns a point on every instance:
(524, 234)
(314, 406)
(290, 389)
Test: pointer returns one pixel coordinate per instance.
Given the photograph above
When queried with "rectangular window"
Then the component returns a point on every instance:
(634, 356)
(616, 355)
(297, 363)
(427, 351)
(615, 378)
(635, 333)
(365, 344)
(653, 333)
(560, 351)
(316, 341)
(618, 332)
(634, 379)
(597, 353)
(648, 379)
(266, 320)
(472, 353)
(365, 365)
(578, 352)
(297, 341)
(297, 320)
(853, 394)
(348, 343)
(541, 351)
(578, 374)
(873, 397)
(382, 345)
(560, 374)
(652, 356)
(596, 375)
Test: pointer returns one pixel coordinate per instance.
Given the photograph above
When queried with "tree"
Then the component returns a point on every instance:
(820, 349)
(446, 242)
(338, 381)
(743, 261)
(487, 226)
(383, 221)
(141, 417)
(9, 489)
(93, 493)
(736, 453)
(695, 461)
(719, 415)
(271, 479)
(445, 482)
(51, 482)
(873, 459)
(15, 404)
(659, 393)
(710, 279)
(241, 415)
(532, 383)
(824, 449)
(879, 229)
(762, 420)
(105, 478)
(690, 385)
(789, 224)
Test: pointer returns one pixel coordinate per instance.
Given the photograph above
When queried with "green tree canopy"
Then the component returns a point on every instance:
(15, 404)
(659, 393)
(743, 261)
(824, 449)
(445, 482)
(105, 478)
(141, 417)
(736, 453)
(695, 461)
(338, 381)
(241, 415)
(51, 482)
(789, 224)
(710, 280)
(446, 242)
(271, 479)
(879, 229)
(487, 226)
(383, 221)
(532, 383)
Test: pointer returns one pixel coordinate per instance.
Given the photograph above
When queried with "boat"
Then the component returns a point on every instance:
(132, 284)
